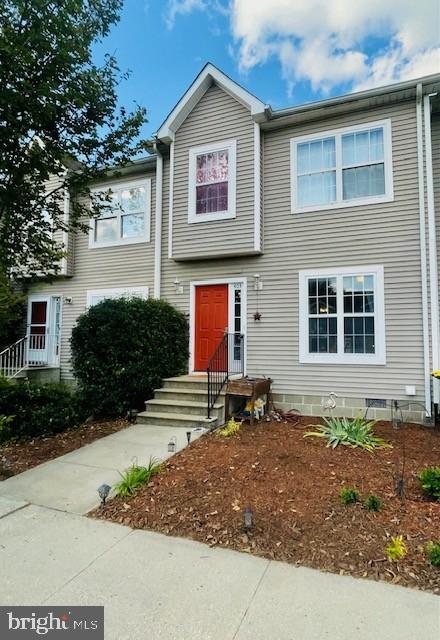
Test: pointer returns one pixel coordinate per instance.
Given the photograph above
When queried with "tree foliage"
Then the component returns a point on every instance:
(123, 348)
(12, 313)
(59, 118)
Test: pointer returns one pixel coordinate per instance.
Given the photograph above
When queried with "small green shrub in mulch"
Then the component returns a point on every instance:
(430, 481)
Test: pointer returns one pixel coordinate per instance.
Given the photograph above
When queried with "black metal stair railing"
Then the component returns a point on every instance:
(227, 360)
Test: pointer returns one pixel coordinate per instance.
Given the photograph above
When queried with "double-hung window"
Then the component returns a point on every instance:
(212, 173)
(125, 214)
(342, 316)
(341, 168)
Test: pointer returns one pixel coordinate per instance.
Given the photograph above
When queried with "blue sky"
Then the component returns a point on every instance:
(280, 51)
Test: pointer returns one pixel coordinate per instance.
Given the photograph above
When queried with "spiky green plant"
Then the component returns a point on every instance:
(430, 480)
(231, 428)
(396, 550)
(356, 432)
(433, 549)
(373, 503)
(135, 476)
(349, 495)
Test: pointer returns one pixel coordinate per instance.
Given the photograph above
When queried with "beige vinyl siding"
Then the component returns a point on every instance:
(217, 117)
(382, 234)
(435, 136)
(100, 268)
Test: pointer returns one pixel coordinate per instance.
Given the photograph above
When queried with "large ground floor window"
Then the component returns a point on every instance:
(342, 315)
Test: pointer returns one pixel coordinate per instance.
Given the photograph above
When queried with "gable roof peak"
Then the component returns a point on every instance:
(209, 75)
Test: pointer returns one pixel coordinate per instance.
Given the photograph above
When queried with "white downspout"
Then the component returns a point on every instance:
(432, 244)
(158, 225)
(423, 265)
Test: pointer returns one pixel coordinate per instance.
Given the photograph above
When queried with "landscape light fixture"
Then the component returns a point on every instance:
(188, 436)
(172, 445)
(103, 492)
(248, 519)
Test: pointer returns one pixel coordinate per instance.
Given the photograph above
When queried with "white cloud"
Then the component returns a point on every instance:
(326, 42)
(329, 42)
(181, 7)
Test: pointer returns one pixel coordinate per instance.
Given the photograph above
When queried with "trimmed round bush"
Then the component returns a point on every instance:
(123, 348)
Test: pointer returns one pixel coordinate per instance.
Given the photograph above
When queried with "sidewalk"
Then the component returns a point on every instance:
(157, 587)
(70, 482)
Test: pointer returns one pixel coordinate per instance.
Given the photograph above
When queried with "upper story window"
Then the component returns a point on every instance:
(125, 218)
(342, 316)
(342, 168)
(212, 171)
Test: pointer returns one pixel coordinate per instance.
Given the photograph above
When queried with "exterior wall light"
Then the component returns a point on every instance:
(103, 492)
(178, 286)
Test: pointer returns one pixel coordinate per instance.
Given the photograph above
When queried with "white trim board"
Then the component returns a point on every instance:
(192, 307)
(257, 187)
(208, 76)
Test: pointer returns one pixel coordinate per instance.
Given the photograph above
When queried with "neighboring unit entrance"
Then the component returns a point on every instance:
(211, 321)
(43, 330)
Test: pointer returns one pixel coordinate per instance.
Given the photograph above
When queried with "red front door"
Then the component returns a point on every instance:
(210, 322)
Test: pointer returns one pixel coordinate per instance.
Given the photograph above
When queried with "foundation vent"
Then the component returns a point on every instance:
(376, 403)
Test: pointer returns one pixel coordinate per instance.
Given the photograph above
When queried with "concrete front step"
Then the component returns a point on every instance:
(181, 405)
(167, 419)
(186, 382)
(192, 395)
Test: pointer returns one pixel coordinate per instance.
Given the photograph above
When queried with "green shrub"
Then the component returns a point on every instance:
(433, 549)
(396, 550)
(30, 410)
(12, 312)
(122, 349)
(430, 481)
(373, 503)
(356, 432)
(230, 429)
(135, 476)
(349, 495)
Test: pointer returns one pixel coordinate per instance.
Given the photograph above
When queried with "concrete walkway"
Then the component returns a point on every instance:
(158, 587)
(70, 482)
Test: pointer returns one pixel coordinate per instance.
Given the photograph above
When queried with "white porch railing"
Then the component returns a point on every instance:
(34, 350)
(13, 358)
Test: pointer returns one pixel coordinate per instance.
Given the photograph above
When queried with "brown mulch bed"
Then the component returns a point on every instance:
(20, 456)
(292, 485)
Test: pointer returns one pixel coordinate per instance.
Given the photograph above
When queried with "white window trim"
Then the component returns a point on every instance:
(378, 358)
(388, 196)
(144, 182)
(122, 292)
(231, 146)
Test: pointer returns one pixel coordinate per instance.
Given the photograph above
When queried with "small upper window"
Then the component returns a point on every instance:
(344, 167)
(125, 216)
(212, 182)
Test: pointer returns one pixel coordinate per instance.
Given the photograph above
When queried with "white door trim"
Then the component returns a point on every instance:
(50, 359)
(192, 307)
